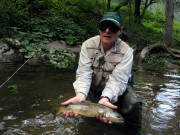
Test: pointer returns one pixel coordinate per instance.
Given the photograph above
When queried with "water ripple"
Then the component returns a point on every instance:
(175, 76)
(2, 125)
(167, 100)
(11, 117)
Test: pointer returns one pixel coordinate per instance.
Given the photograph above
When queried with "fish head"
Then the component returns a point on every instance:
(114, 116)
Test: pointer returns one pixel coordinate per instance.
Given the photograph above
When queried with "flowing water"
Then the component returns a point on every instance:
(26, 110)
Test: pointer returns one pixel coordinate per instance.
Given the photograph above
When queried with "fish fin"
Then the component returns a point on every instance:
(101, 113)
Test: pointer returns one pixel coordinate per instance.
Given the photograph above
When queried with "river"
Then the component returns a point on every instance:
(26, 111)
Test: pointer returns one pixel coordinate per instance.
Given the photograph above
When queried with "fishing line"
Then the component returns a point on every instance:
(16, 71)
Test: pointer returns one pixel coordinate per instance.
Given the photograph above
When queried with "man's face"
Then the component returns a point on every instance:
(109, 32)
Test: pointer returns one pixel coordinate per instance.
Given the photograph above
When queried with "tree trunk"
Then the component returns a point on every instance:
(173, 52)
(137, 4)
(169, 23)
(109, 5)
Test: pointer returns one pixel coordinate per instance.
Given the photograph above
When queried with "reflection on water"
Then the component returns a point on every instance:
(167, 101)
(28, 112)
(161, 94)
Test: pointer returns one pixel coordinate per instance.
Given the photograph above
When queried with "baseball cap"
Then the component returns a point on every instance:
(113, 17)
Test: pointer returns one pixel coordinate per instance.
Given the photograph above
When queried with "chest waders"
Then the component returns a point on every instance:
(129, 105)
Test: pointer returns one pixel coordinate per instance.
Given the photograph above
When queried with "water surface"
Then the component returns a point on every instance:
(40, 88)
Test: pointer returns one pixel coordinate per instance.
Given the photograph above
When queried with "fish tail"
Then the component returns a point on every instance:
(54, 112)
(60, 110)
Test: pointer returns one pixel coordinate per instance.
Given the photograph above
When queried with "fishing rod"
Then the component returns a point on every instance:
(16, 71)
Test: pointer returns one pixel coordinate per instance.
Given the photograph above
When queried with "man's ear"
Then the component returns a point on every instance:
(120, 30)
(98, 31)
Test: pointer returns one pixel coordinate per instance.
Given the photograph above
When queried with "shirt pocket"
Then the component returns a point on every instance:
(112, 61)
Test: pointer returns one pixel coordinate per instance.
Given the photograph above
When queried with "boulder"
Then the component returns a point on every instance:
(9, 50)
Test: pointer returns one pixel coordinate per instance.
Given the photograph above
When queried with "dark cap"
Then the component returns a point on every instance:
(113, 17)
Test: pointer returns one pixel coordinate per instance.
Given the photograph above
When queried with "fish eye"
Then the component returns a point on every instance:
(118, 116)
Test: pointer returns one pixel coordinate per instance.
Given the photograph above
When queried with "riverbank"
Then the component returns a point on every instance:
(9, 52)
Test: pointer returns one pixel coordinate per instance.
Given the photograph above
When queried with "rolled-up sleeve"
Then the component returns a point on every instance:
(117, 83)
(84, 72)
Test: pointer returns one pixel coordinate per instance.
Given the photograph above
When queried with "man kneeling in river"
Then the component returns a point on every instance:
(103, 72)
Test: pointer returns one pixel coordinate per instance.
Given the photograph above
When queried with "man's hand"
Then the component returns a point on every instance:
(78, 98)
(105, 101)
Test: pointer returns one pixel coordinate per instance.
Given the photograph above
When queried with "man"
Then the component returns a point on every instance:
(103, 72)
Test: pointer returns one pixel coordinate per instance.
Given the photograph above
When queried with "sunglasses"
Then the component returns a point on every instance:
(112, 27)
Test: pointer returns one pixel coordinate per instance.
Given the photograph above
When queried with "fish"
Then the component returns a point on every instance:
(90, 109)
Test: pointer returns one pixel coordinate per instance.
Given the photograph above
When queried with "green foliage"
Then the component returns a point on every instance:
(36, 22)
(30, 51)
(155, 21)
(44, 20)
(63, 59)
(156, 62)
(11, 15)
(66, 29)
(176, 33)
(13, 89)
(86, 13)
(150, 31)
(54, 28)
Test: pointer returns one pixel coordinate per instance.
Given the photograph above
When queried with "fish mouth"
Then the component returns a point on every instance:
(119, 119)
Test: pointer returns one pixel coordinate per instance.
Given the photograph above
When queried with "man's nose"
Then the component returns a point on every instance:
(107, 29)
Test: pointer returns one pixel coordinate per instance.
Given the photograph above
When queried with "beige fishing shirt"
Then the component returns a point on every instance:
(117, 82)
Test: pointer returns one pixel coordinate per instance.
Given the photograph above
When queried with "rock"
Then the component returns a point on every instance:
(62, 45)
(3, 47)
(172, 67)
(9, 50)
(56, 45)
(13, 43)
